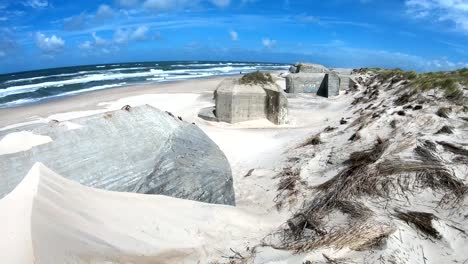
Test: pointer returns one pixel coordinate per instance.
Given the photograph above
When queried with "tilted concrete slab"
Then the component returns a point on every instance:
(141, 150)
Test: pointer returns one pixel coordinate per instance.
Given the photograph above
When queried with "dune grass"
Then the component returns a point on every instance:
(448, 81)
(257, 78)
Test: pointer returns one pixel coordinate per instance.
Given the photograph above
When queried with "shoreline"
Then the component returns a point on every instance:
(89, 101)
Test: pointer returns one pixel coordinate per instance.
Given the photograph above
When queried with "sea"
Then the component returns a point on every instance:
(18, 89)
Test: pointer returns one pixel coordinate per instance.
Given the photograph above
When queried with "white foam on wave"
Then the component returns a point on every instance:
(48, 76)
(84, 79)
(153, 75)
(34, 100)
(74, 74)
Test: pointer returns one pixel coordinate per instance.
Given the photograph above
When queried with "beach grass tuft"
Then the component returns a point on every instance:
(257, 78)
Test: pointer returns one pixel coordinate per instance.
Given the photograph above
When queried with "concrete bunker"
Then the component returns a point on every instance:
(237, 101)
(315, 78)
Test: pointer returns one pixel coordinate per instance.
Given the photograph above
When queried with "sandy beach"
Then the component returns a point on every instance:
(257, 145)
(275, 171)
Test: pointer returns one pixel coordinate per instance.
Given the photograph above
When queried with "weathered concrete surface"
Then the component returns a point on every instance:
(304, 82)
(333, 83)
(346, 82)
(237, 102)
(276, 104)
(142, 150)
(310, 68)
(208, 114)
(293, 69)
(316, 78)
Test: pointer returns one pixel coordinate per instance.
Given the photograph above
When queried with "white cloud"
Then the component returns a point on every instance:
(36, 3)
(104, 12)
(52, 44)
(121, 36)
(87, 45)
(269, 43)
(98, 40)
(140, 33)
(234, 35)
(454, 11)
(221, 3)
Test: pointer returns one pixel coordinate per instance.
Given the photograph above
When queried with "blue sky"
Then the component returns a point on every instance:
(412, 34)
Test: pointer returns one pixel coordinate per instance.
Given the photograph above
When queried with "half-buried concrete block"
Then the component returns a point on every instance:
(242, 99)
(140, 149)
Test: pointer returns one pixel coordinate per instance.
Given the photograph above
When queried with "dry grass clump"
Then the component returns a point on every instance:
(444, 112)
(453, 148)
(445, 130)
(367, 175)
(288, 186)
(405, 98)
(255, 78)
(422, 221)
(314, 140)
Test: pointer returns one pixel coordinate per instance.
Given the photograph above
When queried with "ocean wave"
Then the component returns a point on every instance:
(74, 74)
(84, 79)
(87, 79)
(48, 76)
(34, 100)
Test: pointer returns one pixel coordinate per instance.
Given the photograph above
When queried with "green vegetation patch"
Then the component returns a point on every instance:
(256, 78)
(449, 82)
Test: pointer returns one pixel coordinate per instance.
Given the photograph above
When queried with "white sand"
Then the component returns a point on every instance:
(84, 223)
(54, 220)
(21, 141)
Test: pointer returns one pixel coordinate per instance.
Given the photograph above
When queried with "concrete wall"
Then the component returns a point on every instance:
(237, 103)
(333, 81)
(304, 82)
(143, 150)
(248, 105)
(276, 105)
(346, 82)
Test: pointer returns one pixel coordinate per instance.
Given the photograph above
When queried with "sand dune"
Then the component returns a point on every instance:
(54, 220)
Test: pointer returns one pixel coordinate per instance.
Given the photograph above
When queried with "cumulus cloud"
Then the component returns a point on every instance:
(234, 35)
(52, 44)
(454, 11)
(269, 43)
(140, 33)
(36, 3)
(121, 36)
(87, 45)
(104, 12)
(98, 40)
